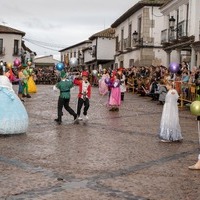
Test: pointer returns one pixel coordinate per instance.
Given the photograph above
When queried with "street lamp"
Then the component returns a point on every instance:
(172, 23)
(136, 39)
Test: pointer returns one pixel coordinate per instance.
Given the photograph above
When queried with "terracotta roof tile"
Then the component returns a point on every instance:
(107, 33)
(6, 29)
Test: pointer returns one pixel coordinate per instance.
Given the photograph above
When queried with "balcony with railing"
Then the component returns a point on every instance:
(127, 43)
(2, 51)
(182, 29)
(17, 51)
(164, 36)
(174, 33)
(118, 47)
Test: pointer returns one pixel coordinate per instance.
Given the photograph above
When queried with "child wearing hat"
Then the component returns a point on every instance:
(83, 95)
(64, 86)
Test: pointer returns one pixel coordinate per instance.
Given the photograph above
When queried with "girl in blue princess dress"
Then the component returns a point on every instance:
(13, 115)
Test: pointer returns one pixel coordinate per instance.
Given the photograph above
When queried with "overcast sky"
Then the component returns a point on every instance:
(57, 24)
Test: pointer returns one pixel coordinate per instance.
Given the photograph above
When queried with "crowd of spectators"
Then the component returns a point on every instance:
(149, 80)
(46, 76)
(143, 80)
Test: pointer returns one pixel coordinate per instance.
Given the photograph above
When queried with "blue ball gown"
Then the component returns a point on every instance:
(13, 115)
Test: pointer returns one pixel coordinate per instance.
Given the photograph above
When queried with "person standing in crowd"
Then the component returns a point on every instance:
(83, 95)
(122, 83)
(64, 86)
(162, 91)
(170, 130)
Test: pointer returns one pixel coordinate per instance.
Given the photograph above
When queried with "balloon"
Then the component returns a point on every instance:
(9, 65)
(116, 84)
(107, 80)
(73, 62)
(195, 108)
(174, 67)
(17, 62)
(94, 72)
(60, 66)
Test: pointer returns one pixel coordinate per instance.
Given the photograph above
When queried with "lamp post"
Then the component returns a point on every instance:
(136, 39)
(172, 23)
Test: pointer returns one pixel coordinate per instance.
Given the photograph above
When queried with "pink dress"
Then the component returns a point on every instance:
(115, 95)
(103, 87)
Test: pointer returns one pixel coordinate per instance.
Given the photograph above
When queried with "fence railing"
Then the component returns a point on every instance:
(187, 92)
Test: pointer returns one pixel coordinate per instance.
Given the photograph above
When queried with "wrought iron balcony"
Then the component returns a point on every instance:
(2, 51)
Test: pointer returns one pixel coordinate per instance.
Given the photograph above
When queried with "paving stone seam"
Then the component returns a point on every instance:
(92, 181)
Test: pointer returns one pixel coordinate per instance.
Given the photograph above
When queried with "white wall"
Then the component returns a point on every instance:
(87, 56)
(156, 30)
(8, 44)
(105, 49)
(195, 18)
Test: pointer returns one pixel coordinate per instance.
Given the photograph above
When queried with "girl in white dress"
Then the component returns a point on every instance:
(170, 129)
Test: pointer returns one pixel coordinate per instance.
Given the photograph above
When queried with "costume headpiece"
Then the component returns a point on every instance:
(62, 74)
(84, 73)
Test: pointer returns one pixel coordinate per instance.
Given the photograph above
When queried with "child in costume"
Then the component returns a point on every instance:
(103, 87)
(32, 88)
(122, 83)
(115, 94)
(21, 83)
(25, 81)
(13, 115)
(64, 86)
(83, 95)
(170, 130)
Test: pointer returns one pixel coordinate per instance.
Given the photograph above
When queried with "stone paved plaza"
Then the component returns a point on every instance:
(115, 156)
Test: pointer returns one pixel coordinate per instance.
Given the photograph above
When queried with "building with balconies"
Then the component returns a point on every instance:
(75, 51)
(100, 54)
(12, 46)
(138, 35)
(180, 35)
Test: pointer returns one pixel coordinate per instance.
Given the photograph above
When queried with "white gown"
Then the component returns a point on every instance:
(169, 126)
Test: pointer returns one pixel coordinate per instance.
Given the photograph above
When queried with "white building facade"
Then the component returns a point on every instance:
(138, 36)
(181, 31)
(12, 46)
(102, 50)
(75, 51)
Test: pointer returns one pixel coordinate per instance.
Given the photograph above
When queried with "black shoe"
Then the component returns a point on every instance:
(76, 119)
(58, 121)
(28, 96)
(112, 109)
(117, 109)
(23, 95)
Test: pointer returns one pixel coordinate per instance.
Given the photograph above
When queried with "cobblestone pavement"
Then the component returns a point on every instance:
(116, 155)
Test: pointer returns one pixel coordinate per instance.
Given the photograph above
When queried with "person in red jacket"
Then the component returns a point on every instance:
(83, 95)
